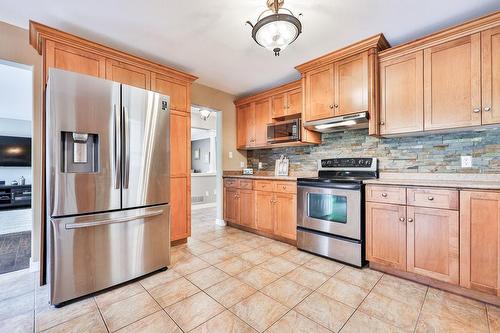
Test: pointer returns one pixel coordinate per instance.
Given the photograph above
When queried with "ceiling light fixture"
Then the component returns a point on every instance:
(276, 27)
(205, 114)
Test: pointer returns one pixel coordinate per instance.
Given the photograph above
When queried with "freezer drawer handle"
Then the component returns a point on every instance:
(111, 221)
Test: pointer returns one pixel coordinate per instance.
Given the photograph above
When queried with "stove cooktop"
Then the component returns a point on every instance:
(344, 170)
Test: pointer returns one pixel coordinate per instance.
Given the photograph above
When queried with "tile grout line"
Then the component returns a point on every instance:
(102, 317)
(421, 308)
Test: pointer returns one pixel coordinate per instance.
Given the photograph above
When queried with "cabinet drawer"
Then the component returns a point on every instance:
(433, 198)
(285, 187)
(264, 185)
(386, 194)
(231, 182)
(246, 184)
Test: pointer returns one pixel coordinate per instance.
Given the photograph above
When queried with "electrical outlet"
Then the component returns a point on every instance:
(466, 161)
(230, 154)
(260, 165)
(242, 164)
(206, 193)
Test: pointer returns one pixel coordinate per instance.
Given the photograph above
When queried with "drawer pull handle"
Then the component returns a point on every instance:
(430, 198)
(384, 195)
(402, 219)
(410, 220)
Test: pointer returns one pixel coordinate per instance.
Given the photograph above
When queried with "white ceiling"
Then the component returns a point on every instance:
(16, 89)
(209, 38)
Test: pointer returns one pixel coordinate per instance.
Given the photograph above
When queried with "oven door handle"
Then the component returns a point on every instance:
(336, 185)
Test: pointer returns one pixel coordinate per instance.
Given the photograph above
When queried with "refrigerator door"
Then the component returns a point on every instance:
(93, 252)
(83, 152)
(145, 147)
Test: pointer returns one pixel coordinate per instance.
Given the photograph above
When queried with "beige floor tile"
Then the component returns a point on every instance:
(364, 278)
(127, 311)
(162, 277)
(237, 248)
(16, 283)
(278, 266)
(493, 318)
(18, 305)
(325, 266)
(294, 322)
(49, 316)
(90, 322)
(226, 322)
(286, 292)
(222, 242)
(199, 248)
(276, 248)
(259, 311)
(234, 266)
(297, 257)
(255, 257)
(22, 323)
(453, 299)
(405, 291)
(206, 236)
(174, 291)
(216, 256)
(363, 323)
(344, 292)
(257, 277)
(230, 292)
(194, 311)
(307, 277)
(157, 322)
(207, 277)
(325, 311)
(190, 265)
(391, 311)
(179, 255)
(118, 294)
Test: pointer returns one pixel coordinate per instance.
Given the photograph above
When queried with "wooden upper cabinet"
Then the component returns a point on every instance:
(402, 94)
(386, 234)
(177, 90)
(351, 84)
(452, 84)
(294, 102)
(285, 215)
(245, 122)
(320, 93)
(433, 243)
(480, 241)
(262, 118)
(247, 208)
(264, 204)
(58, 55)
(180, 134)
(128, 74)
(279, 105)
(490, 50)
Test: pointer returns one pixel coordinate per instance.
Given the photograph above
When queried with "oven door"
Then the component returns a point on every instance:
(330, 210)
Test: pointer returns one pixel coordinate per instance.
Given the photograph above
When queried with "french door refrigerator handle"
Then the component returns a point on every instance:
(111, 221)
(117, 150)
(126, 142)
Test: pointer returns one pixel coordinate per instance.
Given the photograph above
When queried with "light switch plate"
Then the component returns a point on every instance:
(230, 154)
(260, 165)
(466, 161)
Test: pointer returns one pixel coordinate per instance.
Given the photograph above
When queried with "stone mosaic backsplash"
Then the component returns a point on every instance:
(435, 153)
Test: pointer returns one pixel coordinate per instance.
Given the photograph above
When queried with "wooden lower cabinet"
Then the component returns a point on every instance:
(264, 205)
(179, 206)
(247, 208)
(480, 241)
(433, 243)
(386, 234)
(231, 204)
(285, 215)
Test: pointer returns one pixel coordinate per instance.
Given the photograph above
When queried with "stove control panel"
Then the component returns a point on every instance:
(348, 163)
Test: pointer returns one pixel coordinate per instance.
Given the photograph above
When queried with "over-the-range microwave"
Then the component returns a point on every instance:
(284, 131)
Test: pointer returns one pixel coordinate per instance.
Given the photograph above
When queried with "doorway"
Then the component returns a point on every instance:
(16, 128)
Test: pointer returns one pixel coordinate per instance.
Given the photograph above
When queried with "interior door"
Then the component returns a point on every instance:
(145, 147)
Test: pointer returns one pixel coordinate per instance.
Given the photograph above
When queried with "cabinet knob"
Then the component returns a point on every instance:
(331, 106)
(382, 123)
(476, 110)
(410, 220)
(487, 109)
(430, 198)
(336, 105)
(284, 187)
(402, 219)
(384, 195)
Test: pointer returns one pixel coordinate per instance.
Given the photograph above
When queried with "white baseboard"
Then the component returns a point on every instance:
(34, 266)
(220, 222)
(201, 206)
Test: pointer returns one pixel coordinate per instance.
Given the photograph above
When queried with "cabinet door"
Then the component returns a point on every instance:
(245, 120)
(480, 241)
(319, 93)
(180, 133)
(285, 215)
(490, 49)
(386, 234)
(452, 84)
(128, 74)
(231, 204)
(351, 85)
(180, 227)
(262, 118)
(178, 91)
(74, 60)
(279, 105)
(402, 94)
(264, 204)
(294, 102)
(247, 208)
(432, 243)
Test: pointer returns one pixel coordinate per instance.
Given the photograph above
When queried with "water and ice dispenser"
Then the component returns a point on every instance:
(80, 152)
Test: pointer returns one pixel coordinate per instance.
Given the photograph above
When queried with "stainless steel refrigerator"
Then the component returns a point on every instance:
(107, 183)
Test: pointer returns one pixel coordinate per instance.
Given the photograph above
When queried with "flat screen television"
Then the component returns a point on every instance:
(15, 151)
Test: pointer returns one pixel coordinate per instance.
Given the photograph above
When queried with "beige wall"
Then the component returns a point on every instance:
(219, 100)
(14, 46)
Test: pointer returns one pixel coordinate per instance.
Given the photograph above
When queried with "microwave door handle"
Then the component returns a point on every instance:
(116, 147)
(126, 143)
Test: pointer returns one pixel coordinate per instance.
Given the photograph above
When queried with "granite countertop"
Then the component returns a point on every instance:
(291, 178)
(455, 180)
(269, 175)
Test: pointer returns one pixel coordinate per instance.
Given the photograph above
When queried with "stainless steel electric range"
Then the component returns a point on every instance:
(330, 217)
